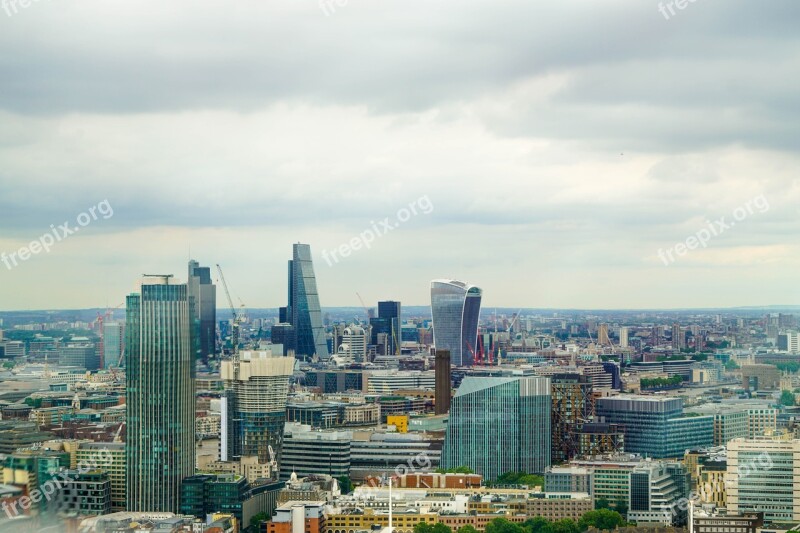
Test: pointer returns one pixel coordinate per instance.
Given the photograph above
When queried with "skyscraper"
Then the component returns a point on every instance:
(678, 337)
(160, 394)
(623, 337)
(113, 341)
(304, 312)
(205, 311)
(254, 410)
(456, 307)
(390, 311)
(499, 425)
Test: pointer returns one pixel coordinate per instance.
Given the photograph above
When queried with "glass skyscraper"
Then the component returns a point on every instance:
(112, 343)
(303, 311)
(656, 426)
(205, 311)
(160, 399)
(499, 425)
(456, 307)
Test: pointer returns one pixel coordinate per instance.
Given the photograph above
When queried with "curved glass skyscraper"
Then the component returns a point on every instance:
(456, 307)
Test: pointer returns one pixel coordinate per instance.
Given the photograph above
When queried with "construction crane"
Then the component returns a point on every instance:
(238, 318)
(273, 461)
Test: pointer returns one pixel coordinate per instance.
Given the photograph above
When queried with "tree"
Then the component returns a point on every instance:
(457, 470)
(501, 525)
(257, 519)
(565, 525)
(601, 503)
(538, 524)
(8, 365)
(787, 398)
(467, 529)
(424, 527)
(520, 478)
(731, 365)
(345, 484)
(601, 519)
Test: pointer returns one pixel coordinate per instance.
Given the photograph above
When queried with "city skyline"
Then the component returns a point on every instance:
(582, 176)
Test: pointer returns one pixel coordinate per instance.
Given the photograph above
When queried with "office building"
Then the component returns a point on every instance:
(113, 343)
(85, 493)
(656, 490)
(390, 311)
(206, 494)
(443, 383)
(761, 377)
(110, 458)
(79, 355)
(353, 346)
(745, 523)
(656, 426)
(564, 479)
(204, 319)
(456, 308)
(307, 452)
(160, 390)
(254, 406)
(764, 475)
(499, 425)
(598, 438)
(789, 342)
(761, 421)
(303, 311)
(572, 405)
(374, 454)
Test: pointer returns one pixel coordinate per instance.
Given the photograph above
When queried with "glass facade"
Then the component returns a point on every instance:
(655, 427)
(160, 405)
(456, 307)
(499, 425)
(304, 307)
(204, 319)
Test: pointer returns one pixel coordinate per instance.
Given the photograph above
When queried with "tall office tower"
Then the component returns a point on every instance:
(499, 425)
(763, 475)
(205, 311)
(113, 341)
(443, 389)
(602, 335)
(160, 405)
(303, 311)
(390, 311)
(623, 337)
(572, 405)
(656, 426)
(678, 337)
(254, 410)
(456, 308)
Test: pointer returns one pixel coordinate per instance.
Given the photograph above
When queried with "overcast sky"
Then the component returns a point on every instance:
(560, 145)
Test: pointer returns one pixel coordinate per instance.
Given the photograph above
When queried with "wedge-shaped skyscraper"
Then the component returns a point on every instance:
(456, 308)
(304, 312)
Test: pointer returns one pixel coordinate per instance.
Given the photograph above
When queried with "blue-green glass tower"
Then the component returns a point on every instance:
(499, 425)
(304, 309)
(160, 394)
